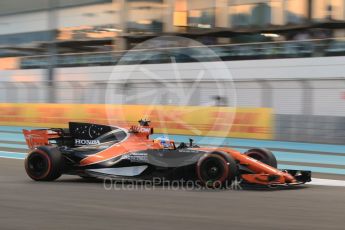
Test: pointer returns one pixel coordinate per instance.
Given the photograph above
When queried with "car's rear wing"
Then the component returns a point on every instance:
(39, 137)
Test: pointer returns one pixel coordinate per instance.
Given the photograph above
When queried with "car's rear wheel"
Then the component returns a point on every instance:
(263, 155)
(216, 170)
(44, 164)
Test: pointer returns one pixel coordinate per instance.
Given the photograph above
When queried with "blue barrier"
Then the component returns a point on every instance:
(15, 146)
(14, 155)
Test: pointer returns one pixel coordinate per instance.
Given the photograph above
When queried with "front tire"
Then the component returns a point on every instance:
(216, 171)
(44, 164)
(263, 155)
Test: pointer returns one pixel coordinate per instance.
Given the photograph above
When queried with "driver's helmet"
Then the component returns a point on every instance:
(164, 142)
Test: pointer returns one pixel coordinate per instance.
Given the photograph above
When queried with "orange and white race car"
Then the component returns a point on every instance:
(103, 151)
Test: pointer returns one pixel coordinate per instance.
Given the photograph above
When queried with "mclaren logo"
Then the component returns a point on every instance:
(86, 142)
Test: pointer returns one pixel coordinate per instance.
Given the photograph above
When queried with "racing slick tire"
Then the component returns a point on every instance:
(263, 155)
(44, 164)
(216, 170)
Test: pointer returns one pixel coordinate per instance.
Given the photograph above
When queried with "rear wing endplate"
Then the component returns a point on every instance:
(39, 137)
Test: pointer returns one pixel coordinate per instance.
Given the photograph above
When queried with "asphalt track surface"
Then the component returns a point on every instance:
(73, 203)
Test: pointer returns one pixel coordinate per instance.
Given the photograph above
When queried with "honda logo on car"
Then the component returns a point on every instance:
(86, 142)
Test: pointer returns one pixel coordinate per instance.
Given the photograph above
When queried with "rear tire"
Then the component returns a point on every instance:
(44, 164)
(215, 170)
(263, 155)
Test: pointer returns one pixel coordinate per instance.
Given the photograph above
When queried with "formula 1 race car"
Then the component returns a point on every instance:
(102, 151)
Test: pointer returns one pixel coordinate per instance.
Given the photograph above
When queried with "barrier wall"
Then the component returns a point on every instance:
(187, 120)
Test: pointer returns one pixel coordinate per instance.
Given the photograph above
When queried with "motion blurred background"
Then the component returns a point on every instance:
(287, 55)
(59, 59)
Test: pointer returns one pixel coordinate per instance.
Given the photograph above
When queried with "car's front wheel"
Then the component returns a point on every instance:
(263, 155)
(216, 170)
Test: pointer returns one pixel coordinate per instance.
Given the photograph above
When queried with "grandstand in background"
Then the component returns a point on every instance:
(88, 31)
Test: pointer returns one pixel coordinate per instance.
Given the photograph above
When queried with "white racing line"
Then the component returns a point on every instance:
(315, 181)
(327, 182)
